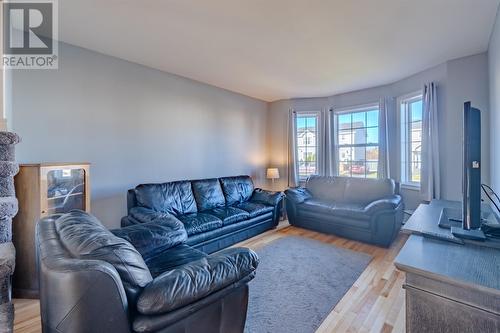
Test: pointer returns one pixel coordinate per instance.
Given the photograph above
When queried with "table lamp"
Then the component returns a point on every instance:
(273, 173)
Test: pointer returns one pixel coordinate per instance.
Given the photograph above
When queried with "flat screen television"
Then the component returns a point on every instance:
(471, 181)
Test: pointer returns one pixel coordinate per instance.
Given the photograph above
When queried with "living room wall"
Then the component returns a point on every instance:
(494, 74)
(133, 124)
(458, 81)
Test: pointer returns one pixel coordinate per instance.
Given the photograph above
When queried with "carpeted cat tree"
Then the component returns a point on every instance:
(8, 209)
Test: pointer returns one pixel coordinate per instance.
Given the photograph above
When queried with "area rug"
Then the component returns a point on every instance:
(298, 283)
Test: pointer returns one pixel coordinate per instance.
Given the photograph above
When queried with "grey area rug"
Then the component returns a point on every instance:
(298, 283)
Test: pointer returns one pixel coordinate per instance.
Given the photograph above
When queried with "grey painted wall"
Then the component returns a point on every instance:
(494, 74)
(458, 81)
(134, 124)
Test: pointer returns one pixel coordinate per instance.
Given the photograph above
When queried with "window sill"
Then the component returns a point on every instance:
(411, 187)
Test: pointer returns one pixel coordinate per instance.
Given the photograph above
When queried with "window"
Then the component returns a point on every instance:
(307, 143)
(411, 139)
(357, 148)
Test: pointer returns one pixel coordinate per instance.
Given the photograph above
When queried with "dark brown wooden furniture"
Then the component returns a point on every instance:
(43, 189)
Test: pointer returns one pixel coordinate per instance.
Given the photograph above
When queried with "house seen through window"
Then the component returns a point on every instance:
(307, 144)
(357, 147)
(411, 139)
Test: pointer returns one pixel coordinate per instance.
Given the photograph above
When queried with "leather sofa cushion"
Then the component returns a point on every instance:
(86, 238)
(317, 205)
(237, 189)
(154, 237)
(298, 194)
(255, 208)
(327, 188)
(174, 198)
(195, 280)
(227, 230)
(266, 197)
(229, 215)
(351, 210)
(172, 258)
(208, 194)
(389, 203)
(364, 191)
(196, 223)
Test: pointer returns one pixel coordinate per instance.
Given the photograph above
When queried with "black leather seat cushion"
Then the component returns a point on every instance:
(174, 198)
(195, 280)
(317, 205)
(208, 194)
(255, 208)
(172, 258)
(237, 189)
(229, 215)
(196, 223)
(365, 191)
(154, 237)
(86, 238)
(353, 210)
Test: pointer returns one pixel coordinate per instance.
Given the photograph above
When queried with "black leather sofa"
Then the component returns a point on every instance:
(141, 278)
(216, 213)
(368, 210)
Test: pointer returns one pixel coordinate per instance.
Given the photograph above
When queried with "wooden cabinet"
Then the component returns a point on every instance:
(42, 190)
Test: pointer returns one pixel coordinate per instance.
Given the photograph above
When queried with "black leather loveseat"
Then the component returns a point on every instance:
(141, 278)
(216, 212)
(368, 210)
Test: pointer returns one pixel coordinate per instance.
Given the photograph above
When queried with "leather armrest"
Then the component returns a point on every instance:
(298, 194)
(154, 237)
(266, 197)
(389, 203)
(193, 281)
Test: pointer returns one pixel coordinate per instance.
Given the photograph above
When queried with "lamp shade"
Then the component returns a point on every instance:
(273, 173)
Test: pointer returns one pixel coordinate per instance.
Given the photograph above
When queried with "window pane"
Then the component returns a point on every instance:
(415, 172)
(372, 135)
(311, 123)
(344, 169)
(416, 131)
(372, 154)
(416, 110)
(344, 121)
(301, 122)
(358, 168)
(307, 126)
(359, 136)
(345, 154)
(372, 118)
(345, 137)
(359, 154)
(359, 119)
(371, 169)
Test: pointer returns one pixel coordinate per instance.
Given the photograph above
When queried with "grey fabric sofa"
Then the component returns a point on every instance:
(368, 210)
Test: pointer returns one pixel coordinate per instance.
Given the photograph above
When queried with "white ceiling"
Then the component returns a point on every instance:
(276, 49)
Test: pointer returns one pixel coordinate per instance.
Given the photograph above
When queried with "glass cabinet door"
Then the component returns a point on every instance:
(65, 190)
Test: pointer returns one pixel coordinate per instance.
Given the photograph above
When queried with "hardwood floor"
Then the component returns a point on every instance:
(375, 303)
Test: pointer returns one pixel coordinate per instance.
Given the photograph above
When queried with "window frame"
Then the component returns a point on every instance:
(310, 113)
(403, 120)
(355, 109)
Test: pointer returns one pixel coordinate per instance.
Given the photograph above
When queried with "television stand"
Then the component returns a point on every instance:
(451, 283)
(472, 234)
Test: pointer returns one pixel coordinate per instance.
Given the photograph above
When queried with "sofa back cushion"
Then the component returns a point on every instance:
(237, 189)
(326, 188)
(175, 198)
(363, 191)
(208, 194)
(86, 238)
